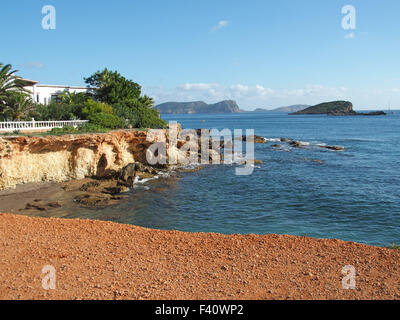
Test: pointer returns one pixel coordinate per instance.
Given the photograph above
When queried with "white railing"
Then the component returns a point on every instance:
(38, 125)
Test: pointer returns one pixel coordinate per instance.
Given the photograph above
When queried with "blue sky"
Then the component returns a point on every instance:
(259, 53)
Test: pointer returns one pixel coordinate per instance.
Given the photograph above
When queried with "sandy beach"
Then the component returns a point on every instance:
(105, 260)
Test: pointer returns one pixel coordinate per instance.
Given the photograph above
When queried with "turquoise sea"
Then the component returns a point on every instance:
(353, 195)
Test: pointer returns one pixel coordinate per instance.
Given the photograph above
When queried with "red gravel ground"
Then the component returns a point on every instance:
(104, 260)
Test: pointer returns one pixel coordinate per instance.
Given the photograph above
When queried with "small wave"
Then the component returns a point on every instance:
(142, 181)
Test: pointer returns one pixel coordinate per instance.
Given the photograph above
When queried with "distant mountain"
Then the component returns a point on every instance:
(334, 107)
(294, 108)
(227, 106)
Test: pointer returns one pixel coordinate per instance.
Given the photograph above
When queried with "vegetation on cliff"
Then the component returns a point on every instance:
(227, 106)
(112, 102)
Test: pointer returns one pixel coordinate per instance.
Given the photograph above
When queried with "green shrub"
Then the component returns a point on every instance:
(90, 127)
(64, 130)
(139, 115)
(106, 121)
(127, 110)
(92, 107)
(54, 111)
(149, 118)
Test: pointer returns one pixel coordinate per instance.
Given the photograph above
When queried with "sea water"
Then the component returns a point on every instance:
(352, 195)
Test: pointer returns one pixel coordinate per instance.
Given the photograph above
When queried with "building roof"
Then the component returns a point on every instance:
(35, 83)
(61, 86)
(31, 82)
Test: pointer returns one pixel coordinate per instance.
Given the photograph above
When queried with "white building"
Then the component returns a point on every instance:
(44, 93)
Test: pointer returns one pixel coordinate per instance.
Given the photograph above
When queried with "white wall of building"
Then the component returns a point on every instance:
(44, 94)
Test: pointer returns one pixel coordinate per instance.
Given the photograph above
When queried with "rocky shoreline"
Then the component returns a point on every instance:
(97, 170)
(110, 182)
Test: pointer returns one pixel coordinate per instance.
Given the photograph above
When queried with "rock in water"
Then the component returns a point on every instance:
(128, 173)
(335, 148)
(296, 144)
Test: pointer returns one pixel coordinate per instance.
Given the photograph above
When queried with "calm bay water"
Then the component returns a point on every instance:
(353, 195)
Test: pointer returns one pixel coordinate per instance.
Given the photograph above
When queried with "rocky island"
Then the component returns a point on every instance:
(293, 108)
(336, 108)
(227, 106)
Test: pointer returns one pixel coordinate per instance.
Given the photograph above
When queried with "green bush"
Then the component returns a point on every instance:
(54, 111)
(92, 107)
(139, 115)
(149, 118)
(106, 121)
(127, 110)
(90, 127)
(64, 130)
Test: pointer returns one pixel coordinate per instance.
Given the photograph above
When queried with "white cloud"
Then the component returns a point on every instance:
(197, 86)
(33, 64)
(220, 25)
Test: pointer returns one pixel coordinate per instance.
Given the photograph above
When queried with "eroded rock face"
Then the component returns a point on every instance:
(63, 158)
(121, 155)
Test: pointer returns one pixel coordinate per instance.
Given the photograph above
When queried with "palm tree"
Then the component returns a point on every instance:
(18, 105)
(9, 82)
(73, 98)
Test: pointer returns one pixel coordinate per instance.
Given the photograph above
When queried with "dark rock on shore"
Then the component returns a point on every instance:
(93, 200)
(115, 190)
(374, 113)
(37, 205)
(128, 174)
(89, 185)
(54, 205)
(296, 144)
(257, 139)
(335, 148)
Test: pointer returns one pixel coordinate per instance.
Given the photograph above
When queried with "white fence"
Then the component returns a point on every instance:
(38, 125)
